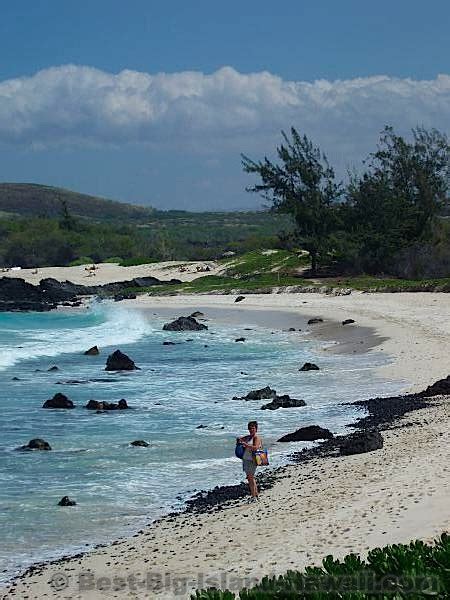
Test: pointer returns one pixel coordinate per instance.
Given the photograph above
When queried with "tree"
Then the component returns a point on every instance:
(395, 202)
(303, 185)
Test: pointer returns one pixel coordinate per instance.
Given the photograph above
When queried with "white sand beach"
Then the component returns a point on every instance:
(326, 506)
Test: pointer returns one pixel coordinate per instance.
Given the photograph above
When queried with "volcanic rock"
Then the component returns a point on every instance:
(184, 324)
(58, 401)
(309, 367)
(283, 402)
(265, 393)
(36, 444)
(118, 361)
(66, 501)
(94, 351)
(439, 388)
(103, 405)
(307, 434)
(361, 441)
(315, 320)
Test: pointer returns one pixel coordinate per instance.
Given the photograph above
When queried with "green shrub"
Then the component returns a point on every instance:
(83, 260)
(414, 570)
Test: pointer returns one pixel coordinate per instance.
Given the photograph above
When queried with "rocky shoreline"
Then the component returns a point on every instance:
(383, 414)
(18, 295)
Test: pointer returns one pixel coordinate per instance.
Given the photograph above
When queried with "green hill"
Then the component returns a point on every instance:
(33, 200)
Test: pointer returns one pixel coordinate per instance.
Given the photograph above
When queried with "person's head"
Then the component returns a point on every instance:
(252, 427)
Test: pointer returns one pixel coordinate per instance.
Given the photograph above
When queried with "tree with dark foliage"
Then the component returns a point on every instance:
(303, 185)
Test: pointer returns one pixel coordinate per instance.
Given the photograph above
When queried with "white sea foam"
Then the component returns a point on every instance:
(110, 325)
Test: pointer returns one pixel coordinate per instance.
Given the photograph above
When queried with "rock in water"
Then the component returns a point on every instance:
(36, 444)
(240, 298)
(283, 402)
(92, 351)
(307, 434)
(142, 443)
(102, 406)
(309, 367)
(58, 401)
(66, 501)
(315, 320)
(118, 361)
(241, 339)
(362, 441)
(184, 324)
(54, 368)
(348, 321)
(196, 314)
(265, 393)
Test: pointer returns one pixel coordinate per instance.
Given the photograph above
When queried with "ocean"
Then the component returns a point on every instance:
(118, 487)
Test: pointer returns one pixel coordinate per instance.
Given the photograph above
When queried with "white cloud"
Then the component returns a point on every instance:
(73, 105)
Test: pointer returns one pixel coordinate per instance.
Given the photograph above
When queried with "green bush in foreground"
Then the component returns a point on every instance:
(416, 570)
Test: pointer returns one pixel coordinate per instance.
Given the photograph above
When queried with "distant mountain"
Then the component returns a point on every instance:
(30, 199)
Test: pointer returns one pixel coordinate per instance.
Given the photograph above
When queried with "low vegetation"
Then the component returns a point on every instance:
(416, 570)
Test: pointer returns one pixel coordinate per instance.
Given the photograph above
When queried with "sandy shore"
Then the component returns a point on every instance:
(112, 272)
(326, 506)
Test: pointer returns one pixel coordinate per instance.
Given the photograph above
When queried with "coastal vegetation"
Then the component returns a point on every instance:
(386, 219)
(414, 570)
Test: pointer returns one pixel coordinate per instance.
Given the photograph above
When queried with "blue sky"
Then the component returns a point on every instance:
(153, 102)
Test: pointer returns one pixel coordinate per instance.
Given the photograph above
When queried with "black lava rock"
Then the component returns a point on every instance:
(58, 401)
(307, 434)
(361, 441)
(309, 367)
(66, 501)
(184, 324)
(94, 351)
(283, 402)
(265, 393)
(142, 443)
(36, 444)
(118, 361)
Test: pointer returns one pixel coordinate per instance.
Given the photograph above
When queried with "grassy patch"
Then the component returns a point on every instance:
(368, 283)
(261, 261)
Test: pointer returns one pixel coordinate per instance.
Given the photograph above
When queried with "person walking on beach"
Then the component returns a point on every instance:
(251, 443)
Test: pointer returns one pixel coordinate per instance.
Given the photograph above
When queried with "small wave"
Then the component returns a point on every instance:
(104, 325)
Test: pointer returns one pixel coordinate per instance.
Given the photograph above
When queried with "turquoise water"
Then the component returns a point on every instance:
(117, 487)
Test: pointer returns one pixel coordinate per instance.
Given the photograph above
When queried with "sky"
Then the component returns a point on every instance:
(154, 102)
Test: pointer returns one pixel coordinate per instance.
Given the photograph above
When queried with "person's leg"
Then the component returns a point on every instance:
(252, 485)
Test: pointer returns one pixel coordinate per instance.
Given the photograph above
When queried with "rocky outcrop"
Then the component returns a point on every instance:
(66, 501)
(120, 297)
(18, 295)
(265, 393)
(307, 434)
(283, 402)
(184, 324)
(103, 405)
(36, 444)
(142, 443)
(439, 388)
(94, 351)
(58, 401)
(118, 361)
(361, 441)
(309, 367)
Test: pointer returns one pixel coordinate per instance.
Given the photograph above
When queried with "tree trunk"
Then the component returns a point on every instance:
(313, 262)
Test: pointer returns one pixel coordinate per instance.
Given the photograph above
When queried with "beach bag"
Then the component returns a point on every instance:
(239, 451)
(261, 457)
